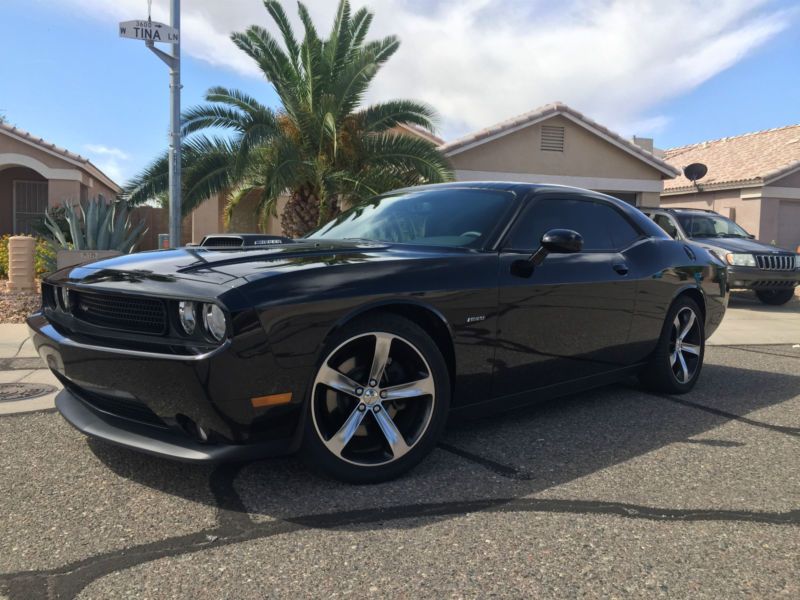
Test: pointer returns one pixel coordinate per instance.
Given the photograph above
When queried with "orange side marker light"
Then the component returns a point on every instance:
(272, 400)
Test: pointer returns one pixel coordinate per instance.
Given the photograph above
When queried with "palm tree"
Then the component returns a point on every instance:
(321, 147)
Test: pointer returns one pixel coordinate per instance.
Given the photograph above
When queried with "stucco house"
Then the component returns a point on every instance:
(752, 178)
(35, 174)
(558, 144)
(552, 144)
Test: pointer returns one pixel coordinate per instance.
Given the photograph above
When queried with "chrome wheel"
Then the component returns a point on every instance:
(685, 345)
(372, 399)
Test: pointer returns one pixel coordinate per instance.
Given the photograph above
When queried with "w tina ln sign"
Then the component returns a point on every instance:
(149, 31)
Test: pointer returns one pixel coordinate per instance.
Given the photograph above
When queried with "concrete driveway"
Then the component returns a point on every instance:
(612, 493)
(748, 321)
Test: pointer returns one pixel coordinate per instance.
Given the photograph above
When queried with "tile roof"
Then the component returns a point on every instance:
(743, 160)
(50, 147)
(423, 133)
(551, 110)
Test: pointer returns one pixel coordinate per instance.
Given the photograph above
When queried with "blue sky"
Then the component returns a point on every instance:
(681, 72)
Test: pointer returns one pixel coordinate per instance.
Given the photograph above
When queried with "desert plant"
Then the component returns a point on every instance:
(97, 225)
(322, 145)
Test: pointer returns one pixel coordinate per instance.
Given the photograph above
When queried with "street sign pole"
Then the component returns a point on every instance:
(151, 32)
(175, 130)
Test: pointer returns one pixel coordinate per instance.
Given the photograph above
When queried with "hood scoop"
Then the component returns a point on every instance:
(235, 241)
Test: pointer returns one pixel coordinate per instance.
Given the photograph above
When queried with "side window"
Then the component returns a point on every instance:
(667, 225)
(602, 227)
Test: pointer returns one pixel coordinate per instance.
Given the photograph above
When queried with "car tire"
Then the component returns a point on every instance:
(775, 297)
(675, 365)
(352, 434)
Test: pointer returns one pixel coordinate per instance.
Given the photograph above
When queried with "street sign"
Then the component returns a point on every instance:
(149, 31)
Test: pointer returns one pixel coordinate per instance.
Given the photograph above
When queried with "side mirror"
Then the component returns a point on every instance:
(555, 241)
(562, 241)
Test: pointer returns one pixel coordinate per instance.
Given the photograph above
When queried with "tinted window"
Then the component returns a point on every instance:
(450, 217)
(710, 225)
(601, 226)
(667, 225)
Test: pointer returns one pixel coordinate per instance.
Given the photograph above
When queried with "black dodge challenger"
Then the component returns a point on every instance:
(354, 344)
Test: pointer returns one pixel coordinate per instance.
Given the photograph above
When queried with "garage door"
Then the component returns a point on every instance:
(789, 225)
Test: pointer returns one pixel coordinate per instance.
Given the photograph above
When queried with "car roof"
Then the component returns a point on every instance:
(518, 187)
(646, 209)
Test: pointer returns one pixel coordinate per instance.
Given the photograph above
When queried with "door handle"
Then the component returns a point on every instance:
(621, 268)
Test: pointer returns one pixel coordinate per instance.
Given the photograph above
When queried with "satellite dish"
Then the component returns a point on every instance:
(695, 171)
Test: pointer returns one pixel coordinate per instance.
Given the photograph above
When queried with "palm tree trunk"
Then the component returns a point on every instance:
(305, 212)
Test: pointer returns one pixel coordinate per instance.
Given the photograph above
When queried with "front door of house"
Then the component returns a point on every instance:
(30, 204)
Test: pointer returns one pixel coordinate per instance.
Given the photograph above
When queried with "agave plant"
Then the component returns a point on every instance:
(98, 225)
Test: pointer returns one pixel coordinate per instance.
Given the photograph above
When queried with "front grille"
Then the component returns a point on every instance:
(775, 262)
(125, 313)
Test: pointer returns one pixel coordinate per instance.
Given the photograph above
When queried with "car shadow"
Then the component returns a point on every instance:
(488, 462)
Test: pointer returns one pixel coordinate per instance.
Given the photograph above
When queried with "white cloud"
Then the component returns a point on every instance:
(102, 150)
(480, 61)
(111, 161)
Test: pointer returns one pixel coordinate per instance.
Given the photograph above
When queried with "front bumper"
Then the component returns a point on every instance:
(160, 403)
(753, 278)
(164, 443)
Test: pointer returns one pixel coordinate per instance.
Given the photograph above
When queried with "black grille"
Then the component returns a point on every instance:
(775, 262)
(126, 313)
(223, 242)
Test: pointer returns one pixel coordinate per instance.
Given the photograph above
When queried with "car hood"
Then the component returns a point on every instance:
(739, 245)
(226, 266)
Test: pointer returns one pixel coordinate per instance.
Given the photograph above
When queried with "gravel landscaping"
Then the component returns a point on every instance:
(16, 306)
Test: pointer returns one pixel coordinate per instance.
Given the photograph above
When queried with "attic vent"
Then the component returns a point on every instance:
(552, 138)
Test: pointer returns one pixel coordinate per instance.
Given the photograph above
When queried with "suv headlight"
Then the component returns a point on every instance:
(741, 260)
(215, 322)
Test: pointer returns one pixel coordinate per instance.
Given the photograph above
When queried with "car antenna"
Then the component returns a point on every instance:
(694, 172)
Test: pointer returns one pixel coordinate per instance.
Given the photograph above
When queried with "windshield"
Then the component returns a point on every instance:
(443, 217)
(709, 225)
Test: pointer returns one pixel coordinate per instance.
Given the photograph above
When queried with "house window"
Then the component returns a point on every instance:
(552, 138)
(30, 204)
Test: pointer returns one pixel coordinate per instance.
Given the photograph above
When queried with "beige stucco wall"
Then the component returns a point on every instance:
(791, 180)
(649, 199)
(207, 219)
(585, 155)
(62, 192)
(70, 175)
(780, 222)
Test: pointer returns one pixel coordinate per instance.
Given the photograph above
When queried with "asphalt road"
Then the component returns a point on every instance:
(613, 493)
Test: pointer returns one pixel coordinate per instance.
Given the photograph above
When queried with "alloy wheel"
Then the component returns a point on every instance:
(373, 398)
(685, 345)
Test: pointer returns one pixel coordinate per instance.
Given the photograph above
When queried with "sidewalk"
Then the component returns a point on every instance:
(19, 364)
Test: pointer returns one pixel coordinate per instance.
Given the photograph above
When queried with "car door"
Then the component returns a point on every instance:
(571, 317)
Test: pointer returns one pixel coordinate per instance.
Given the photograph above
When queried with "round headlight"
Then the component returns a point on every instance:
(187, 315)
(214, 321)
